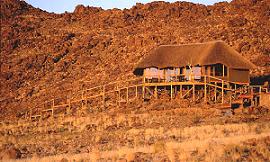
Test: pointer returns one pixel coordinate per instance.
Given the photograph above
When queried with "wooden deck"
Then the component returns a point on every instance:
(209, 89)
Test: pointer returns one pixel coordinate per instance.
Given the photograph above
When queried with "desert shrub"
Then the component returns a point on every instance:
(160, 147)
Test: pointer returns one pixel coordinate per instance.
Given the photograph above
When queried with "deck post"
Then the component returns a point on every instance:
(156, 94)
(222, 92)
(193, 93)
(205, 89)
(260, 95)
(143, 88)
(136, 91)
(215, 92)
(171, 91)
(181, 91)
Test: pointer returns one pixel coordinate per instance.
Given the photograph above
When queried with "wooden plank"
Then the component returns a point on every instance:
(205, 90)
(94, 96)
(63, 105)
(193, 92)
(156, 94)
(260, 95)
(172, 83)
(46, 110)
(181, 91)
(222, 92)
(215, 92)
(186, 93)
(52, 107)
(171, 91)
(213, 85)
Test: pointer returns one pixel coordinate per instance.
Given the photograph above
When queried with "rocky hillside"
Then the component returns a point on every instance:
(39, 49)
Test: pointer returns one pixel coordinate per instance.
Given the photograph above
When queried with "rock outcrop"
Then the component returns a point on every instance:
(40, 49)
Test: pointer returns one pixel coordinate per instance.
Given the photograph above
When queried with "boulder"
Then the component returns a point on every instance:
(10, 153)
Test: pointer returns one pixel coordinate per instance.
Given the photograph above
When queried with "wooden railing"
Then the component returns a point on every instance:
(80, 98)
(84, 94)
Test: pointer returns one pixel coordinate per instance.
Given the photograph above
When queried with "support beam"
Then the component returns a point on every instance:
(193, 93)
(260, 95)
(52, 107)
(156, 93)
(171, 91)
(136, 91)
(181, 91)
(222, 92)
(205, 89)
(215, 92)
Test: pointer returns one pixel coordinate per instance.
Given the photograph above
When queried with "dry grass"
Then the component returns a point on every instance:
(189, 144)
(166, 135)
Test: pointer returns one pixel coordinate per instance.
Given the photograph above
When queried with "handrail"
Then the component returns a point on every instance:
(228, 89)
(139, 82)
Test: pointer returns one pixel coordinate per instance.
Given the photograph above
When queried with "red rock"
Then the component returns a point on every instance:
(10, 153)
(104, 44)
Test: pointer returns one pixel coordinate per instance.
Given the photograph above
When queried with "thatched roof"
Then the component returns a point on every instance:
(195, 54)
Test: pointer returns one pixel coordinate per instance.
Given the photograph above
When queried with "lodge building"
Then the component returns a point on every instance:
(189, 62)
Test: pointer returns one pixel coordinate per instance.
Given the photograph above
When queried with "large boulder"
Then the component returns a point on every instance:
(10, 153)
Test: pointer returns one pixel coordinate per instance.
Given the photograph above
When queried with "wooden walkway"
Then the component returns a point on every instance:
(208, 89)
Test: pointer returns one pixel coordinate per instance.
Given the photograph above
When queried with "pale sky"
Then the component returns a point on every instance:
(60, 6)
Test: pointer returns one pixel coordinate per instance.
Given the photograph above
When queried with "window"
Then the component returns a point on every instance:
(152, 73)
(197, 72)
(212, 69)
(219, 71)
